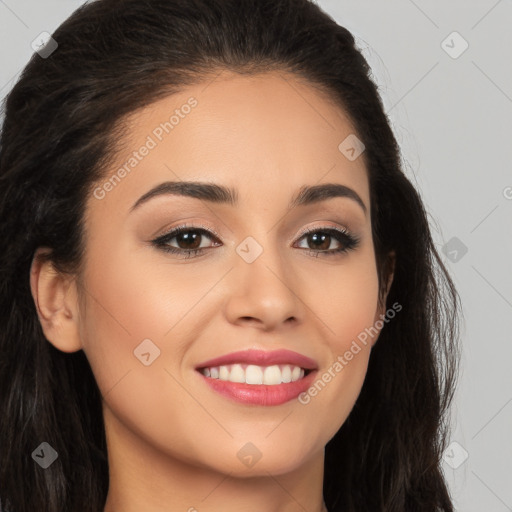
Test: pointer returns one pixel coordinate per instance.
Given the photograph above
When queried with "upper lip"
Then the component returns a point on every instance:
(261, 358)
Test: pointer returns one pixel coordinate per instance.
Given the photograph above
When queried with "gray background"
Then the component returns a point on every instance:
(453, 120)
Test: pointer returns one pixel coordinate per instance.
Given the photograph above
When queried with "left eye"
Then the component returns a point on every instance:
(190, 237)
(189, 240)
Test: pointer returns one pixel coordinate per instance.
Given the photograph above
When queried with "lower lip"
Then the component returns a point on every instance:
(260, 394)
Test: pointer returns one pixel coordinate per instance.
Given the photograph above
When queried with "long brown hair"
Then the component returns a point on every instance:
(62, 123)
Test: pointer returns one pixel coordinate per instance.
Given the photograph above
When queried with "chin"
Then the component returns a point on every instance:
(252, 459)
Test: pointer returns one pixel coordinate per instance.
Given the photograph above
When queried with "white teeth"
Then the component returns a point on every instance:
(223, 373)
(287, 373)
(272, 375)
(237, 374)
(252, 374)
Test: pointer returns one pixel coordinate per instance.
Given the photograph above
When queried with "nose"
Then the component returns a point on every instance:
(264, 292)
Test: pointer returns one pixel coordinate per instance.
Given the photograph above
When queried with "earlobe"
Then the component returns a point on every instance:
(56, 303)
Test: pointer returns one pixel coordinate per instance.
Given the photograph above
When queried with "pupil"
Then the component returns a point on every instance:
(323, 237)
(188, 237)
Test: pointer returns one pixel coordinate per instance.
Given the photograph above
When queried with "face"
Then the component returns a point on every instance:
(268, 270)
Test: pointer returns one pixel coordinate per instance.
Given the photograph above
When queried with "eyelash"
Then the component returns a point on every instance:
(341, 235)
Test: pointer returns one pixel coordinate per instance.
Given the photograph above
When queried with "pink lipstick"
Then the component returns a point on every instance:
(259, 377)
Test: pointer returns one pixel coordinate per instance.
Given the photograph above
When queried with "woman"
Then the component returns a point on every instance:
(219, 290)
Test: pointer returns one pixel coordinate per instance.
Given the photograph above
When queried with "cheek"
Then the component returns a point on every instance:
(125, 306)
(346, 305)
(345, 299)
(131, 298)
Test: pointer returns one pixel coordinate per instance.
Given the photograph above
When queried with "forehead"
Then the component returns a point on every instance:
(266, 135)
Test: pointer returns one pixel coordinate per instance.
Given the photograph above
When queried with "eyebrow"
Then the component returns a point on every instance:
(220, 194)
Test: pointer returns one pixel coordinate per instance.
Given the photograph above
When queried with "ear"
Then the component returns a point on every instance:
(55, 297)
(381, 307)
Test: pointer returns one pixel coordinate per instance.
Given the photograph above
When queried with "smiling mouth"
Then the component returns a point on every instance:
(257, 375)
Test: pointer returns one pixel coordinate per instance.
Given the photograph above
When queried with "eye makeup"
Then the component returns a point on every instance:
(192, 234)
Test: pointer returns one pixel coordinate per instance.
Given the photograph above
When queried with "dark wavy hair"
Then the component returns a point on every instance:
(63, 124)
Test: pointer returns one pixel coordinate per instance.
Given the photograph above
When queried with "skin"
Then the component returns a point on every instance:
(173, 442)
